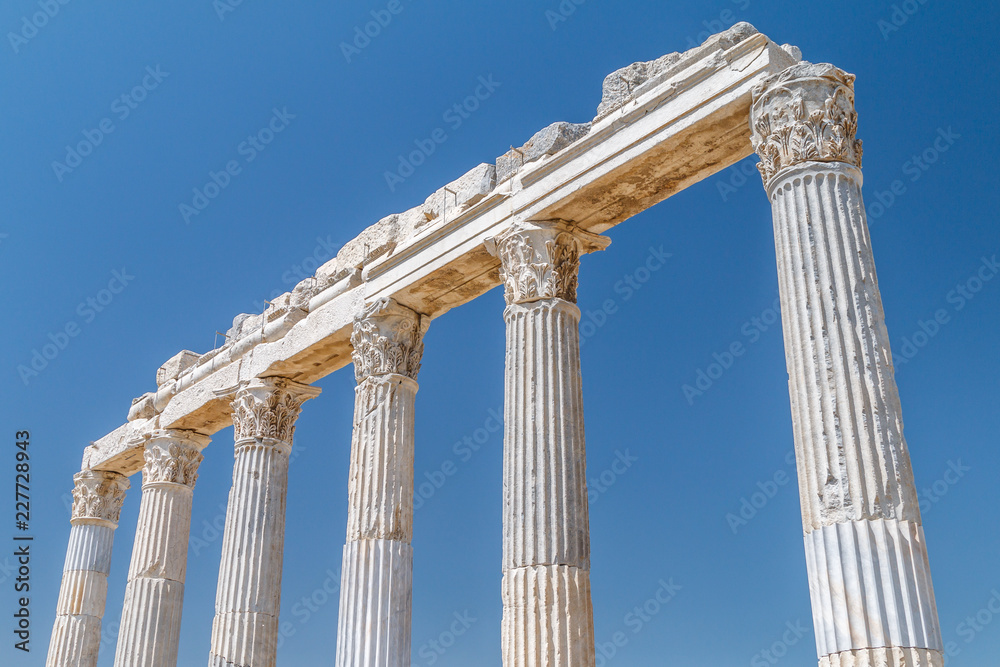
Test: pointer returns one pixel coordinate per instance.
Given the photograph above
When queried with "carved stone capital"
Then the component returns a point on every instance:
(541, 260)
(805, 113)
(98, 496)
(266, 408)
(388, 338)
(173, 457)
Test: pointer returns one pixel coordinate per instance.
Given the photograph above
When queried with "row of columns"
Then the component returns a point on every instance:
(869, 578)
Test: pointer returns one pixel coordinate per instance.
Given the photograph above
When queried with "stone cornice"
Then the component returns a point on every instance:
(387, 339)
(265, 409)
(804, 114)
(173, 457)
(541, 260)
(98, 496)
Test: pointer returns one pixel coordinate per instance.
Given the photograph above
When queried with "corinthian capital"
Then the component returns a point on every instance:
(541, 260)
(173, 457)
(805, 113)
(388, 338)
(98, 496)
(266, 408)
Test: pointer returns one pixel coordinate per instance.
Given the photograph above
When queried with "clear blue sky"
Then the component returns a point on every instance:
(322, 180)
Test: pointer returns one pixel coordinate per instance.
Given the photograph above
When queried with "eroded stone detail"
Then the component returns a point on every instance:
(547, 141)
(547, 615)
(627, 83)
(859, 505)
(76, 633)
(176, 365)
(171, 458)
(149, 632)
(725, 62)
(266, 408)
(248, 597)
(376, 592)
(805, 113)
(99, 495)
(869, 576)
(387, 339)
(541, 260)
(884, 657)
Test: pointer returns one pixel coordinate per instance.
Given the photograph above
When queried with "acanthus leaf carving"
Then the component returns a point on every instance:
(542, 260)
(387, 339)
(266, 408)
(171, 461)
(98, 494)
(805, 113)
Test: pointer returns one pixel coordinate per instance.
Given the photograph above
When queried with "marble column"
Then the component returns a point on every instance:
(869, 578)
(376, 582)
(548, 619)
(245, 629)
(97, 503)
(151, 616)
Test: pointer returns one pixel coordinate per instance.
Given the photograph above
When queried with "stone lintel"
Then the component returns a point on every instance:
(683, 125)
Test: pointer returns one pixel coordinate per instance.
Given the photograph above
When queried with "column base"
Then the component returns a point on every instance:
(884, 657)
(547, 617)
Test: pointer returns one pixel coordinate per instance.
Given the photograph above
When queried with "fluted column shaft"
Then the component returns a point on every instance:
(869, 577)
(149, 635)
(547, 610)
(376, 582)
(247, 602)
(97, 502)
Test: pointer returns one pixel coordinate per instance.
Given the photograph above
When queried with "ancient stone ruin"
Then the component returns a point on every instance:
(526, 222)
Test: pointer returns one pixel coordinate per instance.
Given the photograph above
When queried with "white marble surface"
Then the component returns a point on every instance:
(376, 589)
